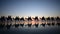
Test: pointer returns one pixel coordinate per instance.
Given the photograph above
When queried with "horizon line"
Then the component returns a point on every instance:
(31, 16)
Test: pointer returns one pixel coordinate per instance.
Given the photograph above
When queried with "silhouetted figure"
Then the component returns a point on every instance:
(36, 18)
(43, 18)
(22, 19)
(57, 18)
(52, 18)
(48, 18)
(29, 19)
(16, 25)
(9, 18)
(3, 18)
(17, 19)
(8, 26)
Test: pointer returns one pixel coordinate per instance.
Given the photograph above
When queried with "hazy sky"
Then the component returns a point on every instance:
(30, 7)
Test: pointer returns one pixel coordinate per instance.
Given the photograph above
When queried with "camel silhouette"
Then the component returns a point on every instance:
(9, 18)
(48, 18)
(22, 19)
(29, 19)
(3, 18)
(16, 18)
(43, 18)
(36, 18)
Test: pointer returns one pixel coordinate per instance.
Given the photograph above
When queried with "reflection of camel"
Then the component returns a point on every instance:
(43, 24)
(22, 25)
(36, 25)
(58, 20)
(16, 25)
(58, 24)
(29, 25)
(48, 24)
(53, 24)
(2, 25)
(8, 26)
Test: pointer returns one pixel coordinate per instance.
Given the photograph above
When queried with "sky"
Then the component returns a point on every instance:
(30, 8)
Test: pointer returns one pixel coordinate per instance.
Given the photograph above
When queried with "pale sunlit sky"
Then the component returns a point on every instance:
(30, 7)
